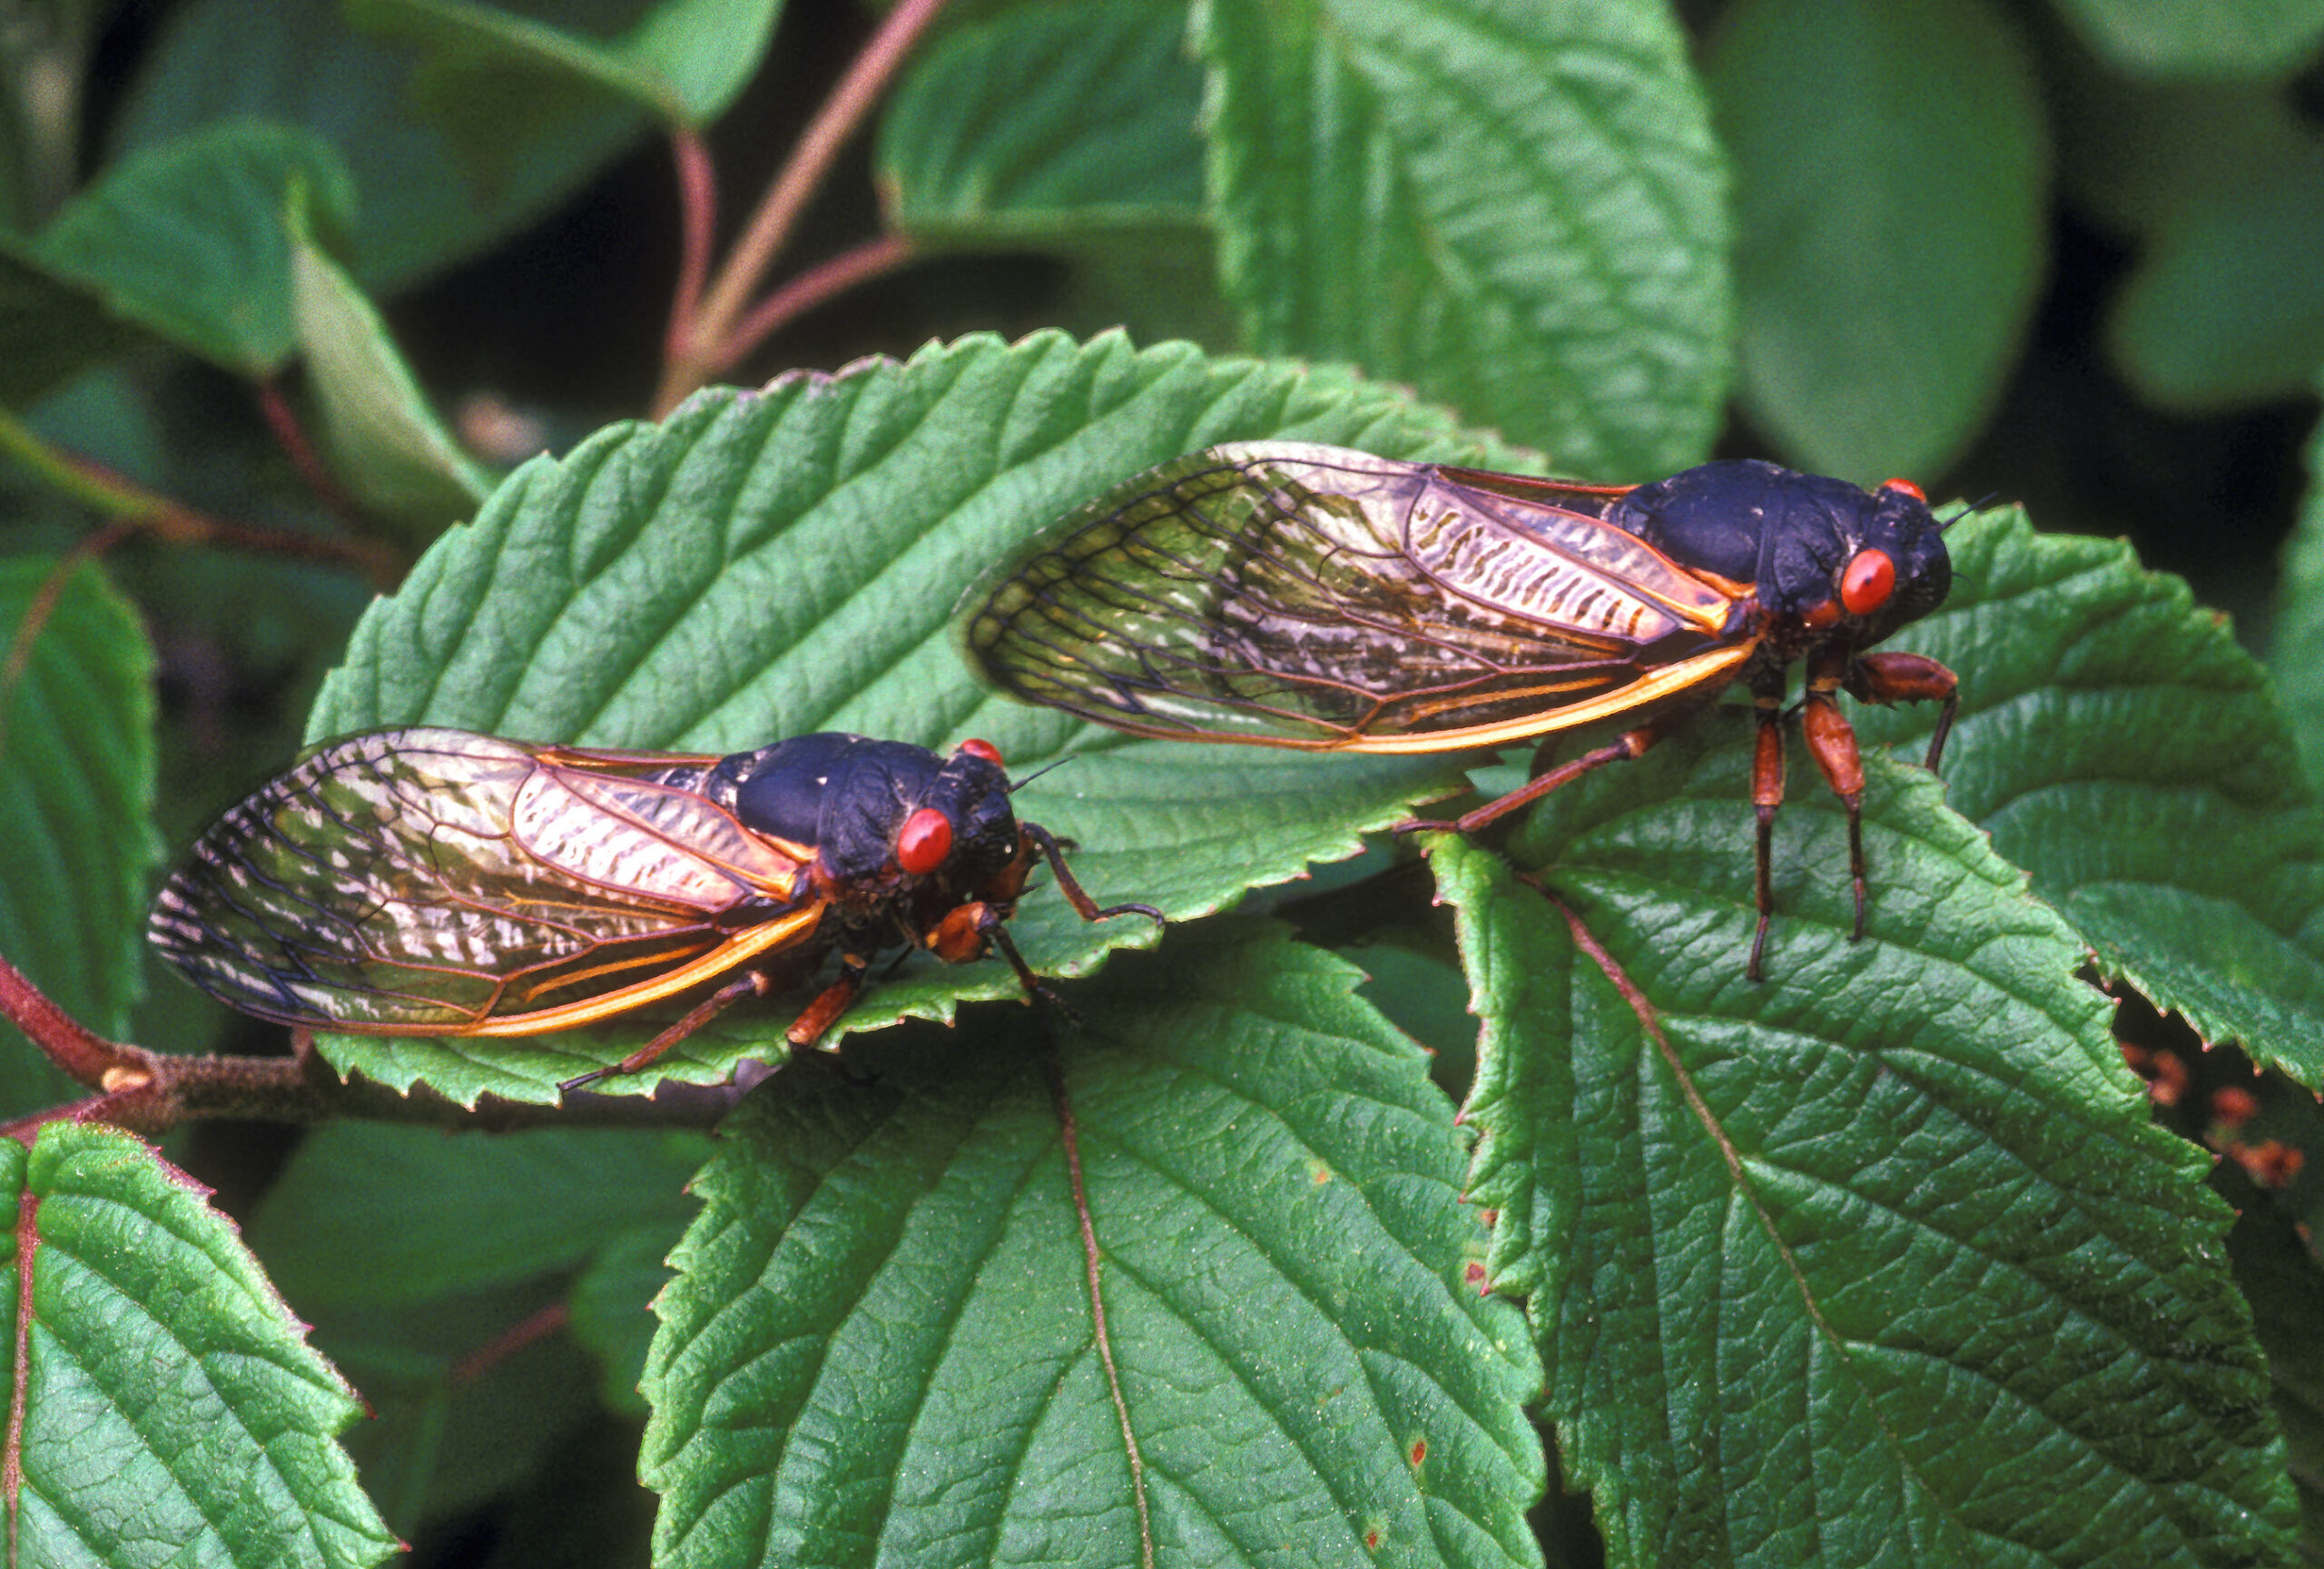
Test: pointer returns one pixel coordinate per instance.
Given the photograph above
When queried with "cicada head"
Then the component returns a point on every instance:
(875, 812)
(970, 797)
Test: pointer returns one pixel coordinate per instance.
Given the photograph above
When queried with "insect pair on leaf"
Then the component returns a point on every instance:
(433, 882)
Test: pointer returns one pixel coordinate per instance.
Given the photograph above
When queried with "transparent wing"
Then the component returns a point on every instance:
(434, 882)
(1311, 596)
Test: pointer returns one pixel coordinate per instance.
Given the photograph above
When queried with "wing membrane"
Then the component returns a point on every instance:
(435, 882)
(1309, 596)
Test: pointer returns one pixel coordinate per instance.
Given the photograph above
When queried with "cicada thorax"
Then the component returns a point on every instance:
(896, 837)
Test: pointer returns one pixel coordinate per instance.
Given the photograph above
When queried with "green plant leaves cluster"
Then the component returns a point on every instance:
(1778, 1223)
(1426, 192)
(1878, 1261)
(886, 1302)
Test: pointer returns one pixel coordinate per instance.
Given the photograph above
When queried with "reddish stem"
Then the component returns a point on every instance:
(291, 437)
(786, 197)
(527, 1331)
(81, 1051)
(811, 289)
(697, 221)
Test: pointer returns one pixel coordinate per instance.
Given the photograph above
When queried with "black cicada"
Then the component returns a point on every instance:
(431, 881)
(1311, 596)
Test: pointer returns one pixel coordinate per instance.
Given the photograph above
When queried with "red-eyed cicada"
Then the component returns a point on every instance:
(1311, 596)
(430, 882)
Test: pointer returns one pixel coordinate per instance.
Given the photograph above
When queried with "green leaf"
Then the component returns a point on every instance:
(1517, 207)
(425, 204)
(612, 1302)
(2296, 641)
(167, 1399)
(2121, 747)
(381, 1216)
(474, 1395)
(767, 564)
(705, 51)
(410, 1250)
(51, 328)
(1890, 189)
(1877, 1261)
(186, 239)
(2134, 154)
(487, 71)
(385, 440)
(2280, 1275)
(76, 795)
(886, 1305)
(2201, 38)
(1046, 123)
(2225, 307)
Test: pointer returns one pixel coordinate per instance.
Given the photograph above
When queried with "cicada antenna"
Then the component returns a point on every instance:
(1968, 509)
(1016, 785)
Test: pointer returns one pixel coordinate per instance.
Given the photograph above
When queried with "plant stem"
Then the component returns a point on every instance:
(291, 437)
(771, 224)
(152, 1092)
(811, 289)
(698, 224)
(123, 500)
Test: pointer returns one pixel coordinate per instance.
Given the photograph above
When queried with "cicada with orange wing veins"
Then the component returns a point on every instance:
(1309, 596)
(431, 881)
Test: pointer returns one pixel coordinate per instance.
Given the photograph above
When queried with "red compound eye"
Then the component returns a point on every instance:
(984, 749)
(1906, 485)
(923, 841)
(1868, 582)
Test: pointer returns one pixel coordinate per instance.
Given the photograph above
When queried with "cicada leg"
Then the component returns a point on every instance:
(750, 983)
(1895, 677)
(1623, 748)
(830, 1002)
(1766, 799)
(1083, 905)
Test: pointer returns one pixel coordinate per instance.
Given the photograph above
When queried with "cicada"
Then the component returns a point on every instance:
(430, 882)
(1309, 596)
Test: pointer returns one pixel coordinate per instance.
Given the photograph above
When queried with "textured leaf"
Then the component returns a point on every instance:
(2280, 1276)
(768, 564)
(2201, 38)
(2121, 747)
(187, 238)
(425, 204)
(76, 797)
(880, 1347)
(1890, 192)
(1877, 1262)
(387, 442)
(168, 1401)
(2225, 307)
(1045, 122)
(1516, 206)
